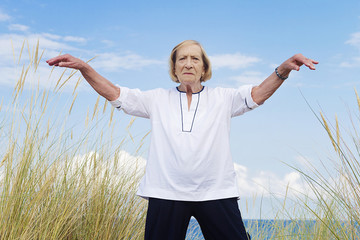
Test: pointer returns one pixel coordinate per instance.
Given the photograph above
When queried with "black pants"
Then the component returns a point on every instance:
(218, 219)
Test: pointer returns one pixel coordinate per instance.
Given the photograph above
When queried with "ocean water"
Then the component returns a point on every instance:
(264, 229)
(288, 229)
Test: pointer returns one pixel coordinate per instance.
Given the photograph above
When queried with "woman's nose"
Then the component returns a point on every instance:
(188, 63)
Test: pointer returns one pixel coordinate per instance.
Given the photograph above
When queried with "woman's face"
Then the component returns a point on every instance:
(189, 66)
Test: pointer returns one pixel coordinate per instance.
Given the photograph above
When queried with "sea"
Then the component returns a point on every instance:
(265, 229)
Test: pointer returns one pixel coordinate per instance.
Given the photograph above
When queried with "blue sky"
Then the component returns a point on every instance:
(245, 40)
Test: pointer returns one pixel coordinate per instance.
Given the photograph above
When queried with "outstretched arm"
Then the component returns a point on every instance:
(100, 84)
(262, 92)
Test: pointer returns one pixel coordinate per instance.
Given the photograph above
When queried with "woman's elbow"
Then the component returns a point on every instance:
(257, 97)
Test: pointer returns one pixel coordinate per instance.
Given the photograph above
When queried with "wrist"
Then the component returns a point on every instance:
(281, 73)
(84, 67)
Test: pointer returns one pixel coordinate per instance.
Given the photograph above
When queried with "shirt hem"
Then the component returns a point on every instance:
(189, 196)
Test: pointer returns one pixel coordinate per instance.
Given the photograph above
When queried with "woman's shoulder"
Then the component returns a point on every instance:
(160, 93)
(155, 91)
(228, 88)
(230, 92)
(220, 89)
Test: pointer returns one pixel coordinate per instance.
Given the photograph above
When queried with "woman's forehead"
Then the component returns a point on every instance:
(189, 49)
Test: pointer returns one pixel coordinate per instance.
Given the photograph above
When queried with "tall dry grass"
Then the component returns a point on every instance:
(63, 181)
(330, 208)
(59, 182)
(335, 187)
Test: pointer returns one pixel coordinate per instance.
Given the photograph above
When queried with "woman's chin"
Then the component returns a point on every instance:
(189, 81)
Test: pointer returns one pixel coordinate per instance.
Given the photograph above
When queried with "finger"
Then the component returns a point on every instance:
(298, 60)
(315, 62)
(57, 59)
(306, 61)
(296, 66)
(311, 61)
(54, 61)
(64, 64)
(310, 64)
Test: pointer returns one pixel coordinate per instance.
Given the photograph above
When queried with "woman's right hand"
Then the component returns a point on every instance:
(68, 61)
(100, 84)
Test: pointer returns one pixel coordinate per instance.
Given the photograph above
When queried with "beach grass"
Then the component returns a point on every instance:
(336, 186)
(64, 181)
(57, 184)
(330, 207)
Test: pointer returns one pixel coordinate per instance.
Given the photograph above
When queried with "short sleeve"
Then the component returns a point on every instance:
(242, 101)
(134, 102)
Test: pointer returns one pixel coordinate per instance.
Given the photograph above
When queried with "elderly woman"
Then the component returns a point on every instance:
(189, 170)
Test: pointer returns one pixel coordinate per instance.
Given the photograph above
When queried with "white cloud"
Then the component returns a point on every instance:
(249, 77)
(8, 76)
(18, 27)
(74, 39)
(51, 36)
(108, 43)
(269, 184)
(14, 42)
(353, 62)
(263, 183)
(11, 66)
(114, 62)
(4, 17)
(11, 45)
(122, 167)
(354, 40)
(232, 61)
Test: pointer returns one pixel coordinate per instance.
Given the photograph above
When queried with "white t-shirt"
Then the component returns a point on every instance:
(189, 157)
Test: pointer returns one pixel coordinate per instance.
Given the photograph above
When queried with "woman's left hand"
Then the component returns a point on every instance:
(294, 63)
(262, 92)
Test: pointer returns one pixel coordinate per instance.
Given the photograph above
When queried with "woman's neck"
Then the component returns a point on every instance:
(190, 89)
